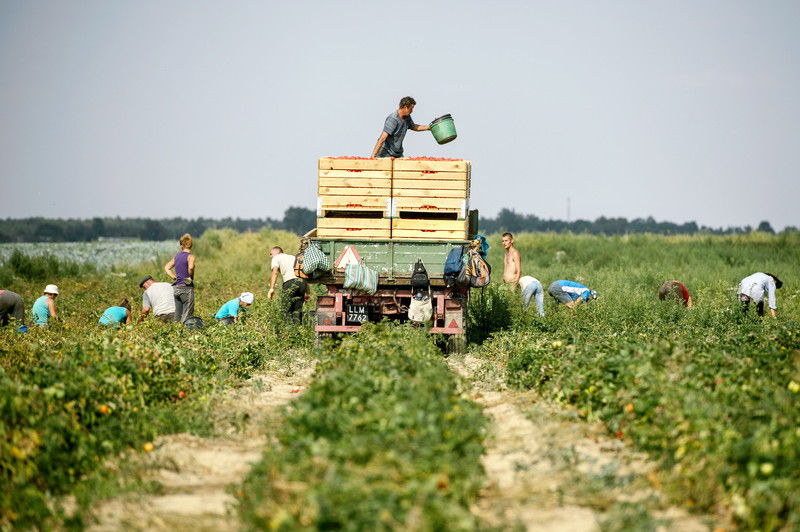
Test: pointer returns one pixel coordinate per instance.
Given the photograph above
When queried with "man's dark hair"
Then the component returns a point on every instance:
(125, 304)
(407, 101)
(778, 282)
(280, 249)
(509, 235)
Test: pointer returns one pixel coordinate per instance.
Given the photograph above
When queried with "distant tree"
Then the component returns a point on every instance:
(299, 220)
(765, 227)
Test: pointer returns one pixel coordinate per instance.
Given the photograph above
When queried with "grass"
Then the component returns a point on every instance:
(381, 440)
(706, 391)
(75, 394)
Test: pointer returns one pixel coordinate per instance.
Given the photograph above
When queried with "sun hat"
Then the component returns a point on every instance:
(51, 289)
(247, 297)
(144, 280)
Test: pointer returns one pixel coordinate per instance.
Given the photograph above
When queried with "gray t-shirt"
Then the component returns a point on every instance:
(396, 127)
(159, 297)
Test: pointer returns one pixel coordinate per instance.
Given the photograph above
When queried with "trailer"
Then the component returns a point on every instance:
(387, 214)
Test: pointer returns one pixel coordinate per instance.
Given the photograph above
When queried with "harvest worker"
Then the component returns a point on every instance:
(294, 288)
(183, 287)
(675, 290)
(159, 297)
(114, 316)
(390, 143)
(512, 263)
(229, 312)
(11, 307)
(570, 293)
(44, 308)
(754, 287)
(532, 288)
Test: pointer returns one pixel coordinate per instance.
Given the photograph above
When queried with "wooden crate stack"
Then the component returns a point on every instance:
(354, 198)
(430, 199)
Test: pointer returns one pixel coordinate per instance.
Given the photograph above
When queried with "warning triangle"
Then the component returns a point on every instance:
(453, 325)
(349, 255)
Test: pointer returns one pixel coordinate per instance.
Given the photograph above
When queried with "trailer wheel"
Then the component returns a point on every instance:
(456, 344)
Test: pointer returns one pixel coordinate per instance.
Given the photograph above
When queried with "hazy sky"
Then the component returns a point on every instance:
(683, 110)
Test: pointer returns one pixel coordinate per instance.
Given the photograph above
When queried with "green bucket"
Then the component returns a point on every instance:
(444, 129)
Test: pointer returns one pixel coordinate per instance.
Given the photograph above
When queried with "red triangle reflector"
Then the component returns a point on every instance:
(453, 325)
(326, 321)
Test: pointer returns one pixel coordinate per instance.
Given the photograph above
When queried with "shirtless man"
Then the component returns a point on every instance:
(512, 263)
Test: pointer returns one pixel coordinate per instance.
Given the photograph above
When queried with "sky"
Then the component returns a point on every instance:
(682, 110)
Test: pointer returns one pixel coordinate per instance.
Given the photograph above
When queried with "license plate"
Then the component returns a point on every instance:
(357, 314)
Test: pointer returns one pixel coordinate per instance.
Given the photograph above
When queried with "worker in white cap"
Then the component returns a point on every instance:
(44, 308)
(230, 311)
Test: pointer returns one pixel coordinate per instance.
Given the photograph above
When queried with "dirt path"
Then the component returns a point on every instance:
(195, 474)
(550, 471)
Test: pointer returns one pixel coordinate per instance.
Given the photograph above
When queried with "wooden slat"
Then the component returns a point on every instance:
(354, 191)
(417, 203)
(436, 184)
(353, 223)
(328, 163)
(450, 176)
(437, 225)
(354, 233)
(360, 174)
(332, 202)
(398, 234)
(355, 182)
(425, 193)
(459, 165)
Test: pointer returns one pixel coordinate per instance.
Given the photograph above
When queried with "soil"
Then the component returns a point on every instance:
(549, 470)
(197, 475)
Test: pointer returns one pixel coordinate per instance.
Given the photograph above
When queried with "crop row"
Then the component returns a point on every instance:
(381, 440)
(69, 403)
(710, 394)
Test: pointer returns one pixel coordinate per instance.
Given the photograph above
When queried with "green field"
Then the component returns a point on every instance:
(384, 437)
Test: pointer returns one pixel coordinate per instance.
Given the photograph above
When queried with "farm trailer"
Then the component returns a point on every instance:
(387, 214)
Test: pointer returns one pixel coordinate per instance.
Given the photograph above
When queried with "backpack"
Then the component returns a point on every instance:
(479, 272)
(298, 266)
(453, 266)
(419, 278)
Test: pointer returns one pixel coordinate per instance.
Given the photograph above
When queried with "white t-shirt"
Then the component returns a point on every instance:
(525, 280)
(159, 297)
(756, 286)
(285, 264)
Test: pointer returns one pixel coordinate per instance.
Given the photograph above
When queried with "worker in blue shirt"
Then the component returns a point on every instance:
(571, 293)
(229, 312)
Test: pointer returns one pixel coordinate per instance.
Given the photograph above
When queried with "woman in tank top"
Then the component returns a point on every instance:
(183, 287)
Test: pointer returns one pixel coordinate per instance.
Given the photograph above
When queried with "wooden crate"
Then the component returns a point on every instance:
(354, 228)
(421, 229)
(340, 163)
(424, 165)
(431, 186)
(343, 188)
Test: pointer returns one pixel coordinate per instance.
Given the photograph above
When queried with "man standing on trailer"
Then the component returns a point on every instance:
(390, 143)
(512, 262)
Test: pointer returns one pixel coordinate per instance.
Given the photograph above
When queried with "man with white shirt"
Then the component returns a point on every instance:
(754, 287)
(294, 288)
(160, 297)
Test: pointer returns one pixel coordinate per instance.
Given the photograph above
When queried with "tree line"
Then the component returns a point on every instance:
(299, 220)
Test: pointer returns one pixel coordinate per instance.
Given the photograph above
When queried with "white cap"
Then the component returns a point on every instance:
(51, 289)
(247, 297)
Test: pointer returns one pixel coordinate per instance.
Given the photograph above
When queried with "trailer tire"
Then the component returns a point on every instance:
(456, 344)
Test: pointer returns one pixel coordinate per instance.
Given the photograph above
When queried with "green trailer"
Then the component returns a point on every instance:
(343, 310)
